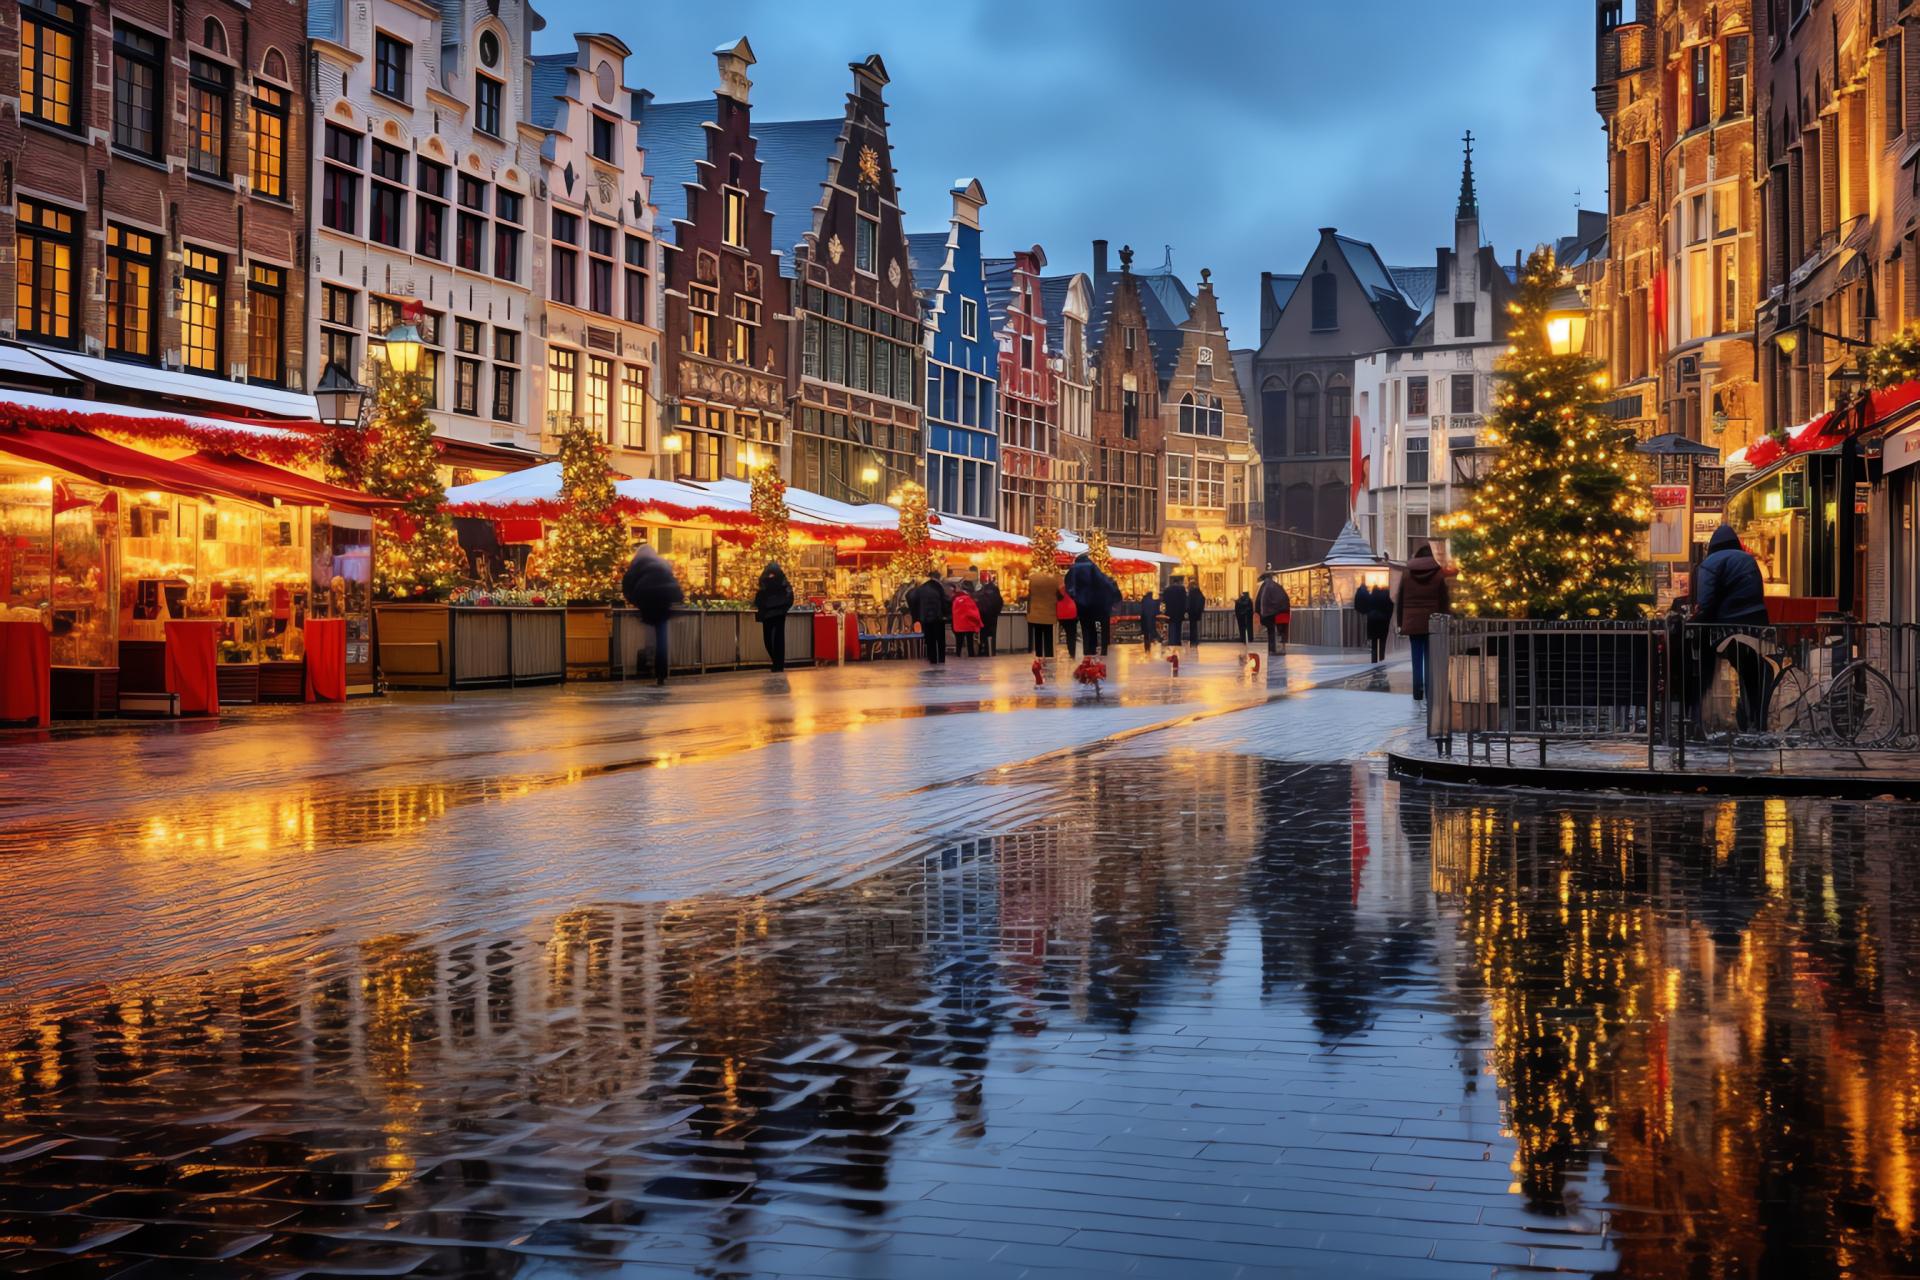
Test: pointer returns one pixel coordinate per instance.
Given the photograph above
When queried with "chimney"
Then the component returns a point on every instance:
(734, 59)
(1099, 259)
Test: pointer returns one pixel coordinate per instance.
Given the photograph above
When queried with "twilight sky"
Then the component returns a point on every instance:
(1229, 129)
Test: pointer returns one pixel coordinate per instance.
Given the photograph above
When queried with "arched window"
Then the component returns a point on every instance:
(1273, 418)
(274, 64)
(1326, 301)
(1339, 419)
(1186, 414)
(1216, 418)
(216, 36)
(1306, 417)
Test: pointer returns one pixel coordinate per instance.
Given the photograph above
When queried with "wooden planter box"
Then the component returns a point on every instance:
(589, 642)
(435, 646)
(85, 693)
(239, 682)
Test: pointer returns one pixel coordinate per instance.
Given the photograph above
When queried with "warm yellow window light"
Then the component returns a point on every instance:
(672, 443)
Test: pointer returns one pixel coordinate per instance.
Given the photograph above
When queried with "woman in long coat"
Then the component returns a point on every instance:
(1044, 590)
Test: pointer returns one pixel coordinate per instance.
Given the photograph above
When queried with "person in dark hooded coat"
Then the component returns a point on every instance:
(1729, 590)
(1375, 607)
(1149, 620)
(650, 587)
(1422, 593)
(1196, 613)
(771, 603)
(1243, 617)
(991, 603)
(1175, 598)
(1094, 596)
(927, 604)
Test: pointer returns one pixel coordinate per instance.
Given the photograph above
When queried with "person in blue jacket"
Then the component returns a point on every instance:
(1094, 597)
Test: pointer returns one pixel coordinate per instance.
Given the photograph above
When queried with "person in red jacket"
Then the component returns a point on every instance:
(966, 623)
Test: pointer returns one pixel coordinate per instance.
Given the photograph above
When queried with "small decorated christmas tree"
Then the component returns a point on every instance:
(771, 539)
(417, 552)
(1553, 531)
(914, 560)
(587, 550)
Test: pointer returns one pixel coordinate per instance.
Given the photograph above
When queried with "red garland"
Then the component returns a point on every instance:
(291, 448)
(733, 522)
(1764, 453)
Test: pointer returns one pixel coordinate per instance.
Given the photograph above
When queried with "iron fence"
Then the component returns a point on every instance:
(1702, 689)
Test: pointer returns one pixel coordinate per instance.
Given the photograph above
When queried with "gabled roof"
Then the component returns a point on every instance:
(675, 139)
(998, 274)
(1279, 288)
(1053, 296)
(1167, 304)
(927, 250)
(547, 86)
(796, 160)
(1416, 285)
(1397, 314)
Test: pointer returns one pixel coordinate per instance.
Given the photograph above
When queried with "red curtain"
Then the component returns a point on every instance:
(26, 673)
(193, 666)
(326, 660)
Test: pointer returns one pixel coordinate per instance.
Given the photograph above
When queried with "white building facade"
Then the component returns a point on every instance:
(426, 189)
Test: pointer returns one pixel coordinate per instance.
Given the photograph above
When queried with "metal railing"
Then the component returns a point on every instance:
(1705, 690)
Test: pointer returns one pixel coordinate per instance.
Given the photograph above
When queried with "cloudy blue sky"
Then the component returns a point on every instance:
(1228, 129)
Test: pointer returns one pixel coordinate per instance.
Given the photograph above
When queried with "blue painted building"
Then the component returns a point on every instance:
(963, 363)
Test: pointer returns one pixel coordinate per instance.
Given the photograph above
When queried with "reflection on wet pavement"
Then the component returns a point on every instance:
(1210, 1014)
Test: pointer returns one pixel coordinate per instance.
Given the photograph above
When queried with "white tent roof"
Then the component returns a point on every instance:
(187, 386)
(67, 404)
(535, 484)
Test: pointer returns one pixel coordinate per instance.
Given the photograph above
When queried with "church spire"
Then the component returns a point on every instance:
(1469, 199)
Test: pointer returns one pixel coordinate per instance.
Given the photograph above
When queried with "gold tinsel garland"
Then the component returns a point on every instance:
(1097, 551)
(1045, 546)
(914, 560)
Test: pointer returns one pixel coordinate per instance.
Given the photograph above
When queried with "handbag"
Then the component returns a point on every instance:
(1065, 610)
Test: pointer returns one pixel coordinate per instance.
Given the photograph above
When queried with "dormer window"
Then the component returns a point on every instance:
(486, 105)
(604, 133)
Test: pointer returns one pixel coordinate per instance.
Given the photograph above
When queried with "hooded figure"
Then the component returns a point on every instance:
(1275, 608)
(927, 604)
(1196, 613)
(1243, 617)
(991, 604)
(1175, 598)
(771, 602)
(1375, 607)
(1729, 589)
(1094, 595)
(650, 587)
(1421, 594)
(1729, 586)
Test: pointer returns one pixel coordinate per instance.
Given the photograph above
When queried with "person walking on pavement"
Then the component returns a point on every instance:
(1275, 608)
(991, 604)
(771, 603)
(1421, 594)
(1043, 608)
(650, 587)
(1175, 598)
(1375, 608)
(1196, 613)
(1730, 590)
(927, 605)
(966, 623)
(1094, 597)
(1243, 617)
(1150, 620)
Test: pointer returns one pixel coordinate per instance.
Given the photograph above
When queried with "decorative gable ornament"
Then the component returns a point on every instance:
(835, 250)
(869, 168)
(893, 273)
(569, 175)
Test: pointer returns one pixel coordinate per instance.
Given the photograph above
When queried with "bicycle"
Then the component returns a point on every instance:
(1856, 706)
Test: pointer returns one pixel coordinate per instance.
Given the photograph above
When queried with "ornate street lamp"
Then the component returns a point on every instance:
(339, 396)
(403, 345)
(1567, 332)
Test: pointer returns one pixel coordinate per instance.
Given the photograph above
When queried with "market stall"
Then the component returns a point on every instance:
(115, 547)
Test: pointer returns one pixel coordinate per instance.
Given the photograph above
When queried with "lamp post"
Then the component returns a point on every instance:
(1567, 331)
(340, 398)
(403, 347)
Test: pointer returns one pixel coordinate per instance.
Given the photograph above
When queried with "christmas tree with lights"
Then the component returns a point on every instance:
(416, 551)
(1553, 530)
(587, 550)
(914, 560)
(771, 539)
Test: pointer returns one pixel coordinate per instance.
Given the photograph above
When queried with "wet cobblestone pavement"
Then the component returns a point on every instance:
(1214, 999)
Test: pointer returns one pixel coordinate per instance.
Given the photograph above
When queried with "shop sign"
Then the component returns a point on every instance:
(1902, 449)
(1704, 523)
(1667, 536)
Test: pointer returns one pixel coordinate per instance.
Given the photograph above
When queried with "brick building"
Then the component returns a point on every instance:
(1030, 408)
(155, 202)
(1067, 304)
(1129, 440)
(724, 347)
(1213, 492)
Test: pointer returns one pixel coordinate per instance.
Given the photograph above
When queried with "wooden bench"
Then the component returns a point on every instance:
(887, 636)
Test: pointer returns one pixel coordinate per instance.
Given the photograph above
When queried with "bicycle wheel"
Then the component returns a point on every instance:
(1790, 704)
(1862, 709)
